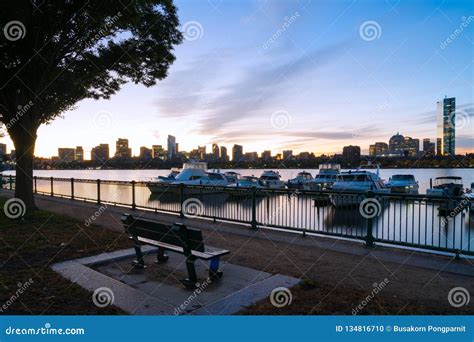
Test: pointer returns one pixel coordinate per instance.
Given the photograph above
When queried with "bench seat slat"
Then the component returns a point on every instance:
(200, 255)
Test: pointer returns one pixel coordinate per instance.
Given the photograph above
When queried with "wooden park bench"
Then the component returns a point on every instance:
(176, 238)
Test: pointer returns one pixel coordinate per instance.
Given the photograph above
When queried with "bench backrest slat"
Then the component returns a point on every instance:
(177, 234)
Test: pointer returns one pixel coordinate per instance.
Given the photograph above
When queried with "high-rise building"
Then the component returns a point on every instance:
(237, 153)
(378, 149)
(100, 153)
(266, 155)
(121, 149)
(438, 147)
(287, 154)
(351, 154)
(411, 147)
(145, 152)
(395, 144)
(446, 126)
(158, 152)
(224, 155)
(251, 157)
(3, 150)
(66, 154)
(215, 152)
(428, 147)
(202, 152)
(79, 154)
(171, 147)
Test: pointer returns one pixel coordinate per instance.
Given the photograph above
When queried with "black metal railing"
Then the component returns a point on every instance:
(420, 221)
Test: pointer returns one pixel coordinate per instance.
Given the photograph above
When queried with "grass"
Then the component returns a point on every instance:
(28, 246)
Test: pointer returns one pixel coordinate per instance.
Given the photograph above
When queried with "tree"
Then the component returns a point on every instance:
(56, 53)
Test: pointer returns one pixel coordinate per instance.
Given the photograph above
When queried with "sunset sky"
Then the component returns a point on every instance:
(301, 75)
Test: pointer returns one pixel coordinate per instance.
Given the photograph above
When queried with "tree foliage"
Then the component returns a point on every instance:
(56, 53)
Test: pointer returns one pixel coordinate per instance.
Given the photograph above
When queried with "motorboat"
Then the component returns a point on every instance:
(404, 184)
(248, 182)
(170, 177)
(207, 179)
(232, 177)
(449, 186)
(300, 180)
(191, 171)
(325, 178)
(272, 180)
(354, 184)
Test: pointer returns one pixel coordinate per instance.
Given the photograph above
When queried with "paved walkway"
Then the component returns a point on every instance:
(414, 276)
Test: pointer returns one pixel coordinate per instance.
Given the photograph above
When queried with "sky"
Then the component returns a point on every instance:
(286, 74)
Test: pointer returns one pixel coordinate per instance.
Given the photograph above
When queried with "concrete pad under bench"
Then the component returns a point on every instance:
(156, 290)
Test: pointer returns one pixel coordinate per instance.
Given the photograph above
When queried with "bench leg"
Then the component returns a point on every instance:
(139, 262)
(214, 273)
(161, 257)
(191, 281)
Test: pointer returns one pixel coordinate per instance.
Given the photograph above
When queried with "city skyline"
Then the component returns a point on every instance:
(294, 79)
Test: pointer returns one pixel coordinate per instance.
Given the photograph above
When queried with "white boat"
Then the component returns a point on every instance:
(405, 184)
(301, 179)
(170, 178)
(207, 179)
(191, 171)
(447, 186)
(247, 182)
(272, 180)
(325, 178)
(350, 183)
(232, 177)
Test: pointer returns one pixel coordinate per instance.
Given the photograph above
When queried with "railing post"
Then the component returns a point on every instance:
(181, 200)
(52, 186)
(35, 184)
(134, 204)
(98, 191)
(72, 188)
(369, 238)
(254, 208)
(11, 182)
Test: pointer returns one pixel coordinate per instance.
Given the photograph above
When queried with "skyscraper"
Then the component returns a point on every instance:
(121, 149)
(157, 152)
(428, 147)
(446, 126)
(237, 153)
(215, 151)
(171, 147)
(100, 153)
(66, 154)
(224, 155)
(79, 155)
(351, 154)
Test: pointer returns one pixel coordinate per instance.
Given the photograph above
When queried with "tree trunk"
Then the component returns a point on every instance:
(24, 141)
